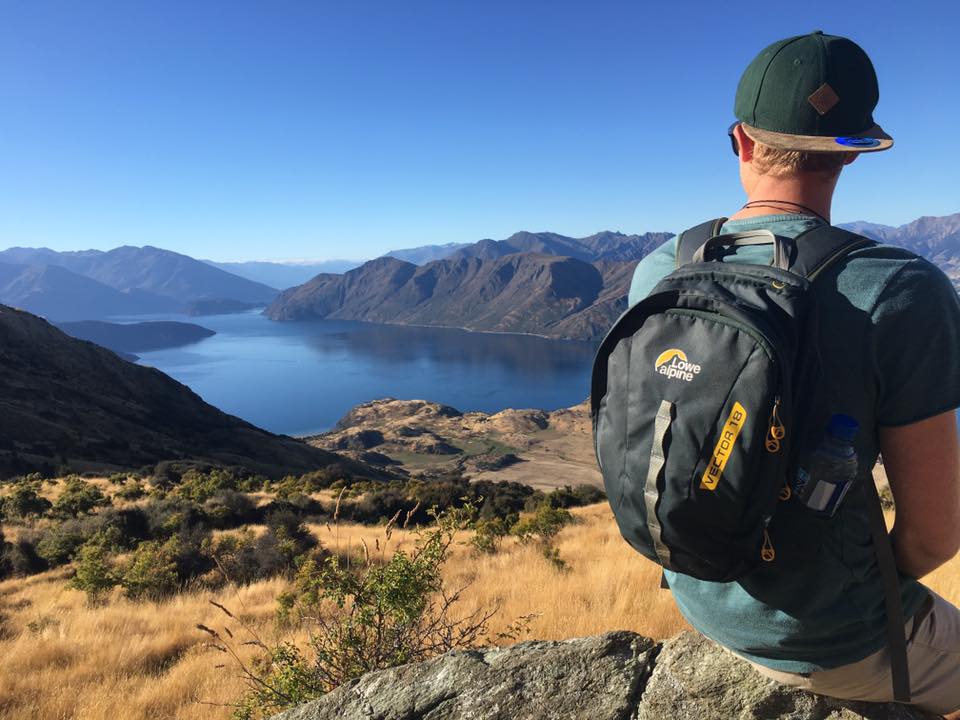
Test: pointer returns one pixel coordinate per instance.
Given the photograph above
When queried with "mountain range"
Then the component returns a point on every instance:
(542, 283)
(518, 284)
(93, 284)
(539, 283)
(68, 403)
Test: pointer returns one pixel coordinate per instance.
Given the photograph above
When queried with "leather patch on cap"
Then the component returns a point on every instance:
(823, 99)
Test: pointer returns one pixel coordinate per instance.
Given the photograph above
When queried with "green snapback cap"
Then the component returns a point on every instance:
(814, 93)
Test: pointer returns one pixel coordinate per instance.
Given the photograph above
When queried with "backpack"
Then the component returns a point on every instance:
(703, 397)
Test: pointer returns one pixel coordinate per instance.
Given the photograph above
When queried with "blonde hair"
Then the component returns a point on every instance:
(784, 163)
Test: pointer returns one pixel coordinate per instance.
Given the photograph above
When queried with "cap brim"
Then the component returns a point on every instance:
(815, 143)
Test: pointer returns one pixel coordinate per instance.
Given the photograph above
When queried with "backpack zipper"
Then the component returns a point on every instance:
(775, 430)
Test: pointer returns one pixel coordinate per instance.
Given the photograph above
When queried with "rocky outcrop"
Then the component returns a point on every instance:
(617, 676)
(534, 447)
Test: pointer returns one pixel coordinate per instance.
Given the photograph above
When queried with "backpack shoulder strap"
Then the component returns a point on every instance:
(690, 240)
(821, 247)
(890, 579)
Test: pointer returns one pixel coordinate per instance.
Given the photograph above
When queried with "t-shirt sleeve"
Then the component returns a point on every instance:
(917, 320)
(651, 270)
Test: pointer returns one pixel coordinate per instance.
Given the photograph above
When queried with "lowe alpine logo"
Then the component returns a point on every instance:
(674, 364)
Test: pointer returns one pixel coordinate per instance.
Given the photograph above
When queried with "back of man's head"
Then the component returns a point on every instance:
(807, 103)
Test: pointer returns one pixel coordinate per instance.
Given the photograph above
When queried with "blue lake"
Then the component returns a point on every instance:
(300, 378)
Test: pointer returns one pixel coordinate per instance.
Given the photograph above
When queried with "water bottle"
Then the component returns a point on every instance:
(829, 471)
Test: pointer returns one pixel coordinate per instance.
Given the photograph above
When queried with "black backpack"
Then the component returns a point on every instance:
(703, 396)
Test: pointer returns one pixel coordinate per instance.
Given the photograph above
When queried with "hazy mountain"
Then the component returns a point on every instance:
(524, 292)
(160, 272)
(283, 275)
(136, 337)
(71, 403)
(426, 253)
(59, 294)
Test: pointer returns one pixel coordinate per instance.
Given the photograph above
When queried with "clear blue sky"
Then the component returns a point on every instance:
(319, 129)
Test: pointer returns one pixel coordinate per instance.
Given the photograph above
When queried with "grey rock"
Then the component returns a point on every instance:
(616, 676)
(695, 680)
(598, 678)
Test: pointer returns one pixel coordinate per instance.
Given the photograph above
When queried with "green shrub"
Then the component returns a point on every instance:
(152, 571)
(544, 524)
(230, 509)
(20, 558)
(94, 572)
(131, 490)
(200, 485)
(25, 501)
(386, 612)
(568, 497)
(58, 544)
(488, 534)
(79, 498)
(541, 527)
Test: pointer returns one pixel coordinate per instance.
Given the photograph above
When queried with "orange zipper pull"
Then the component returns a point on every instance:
(766, 551)
(776, 431)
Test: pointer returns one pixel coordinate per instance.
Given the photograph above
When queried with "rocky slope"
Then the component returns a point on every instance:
(68, 402)
(616, 676)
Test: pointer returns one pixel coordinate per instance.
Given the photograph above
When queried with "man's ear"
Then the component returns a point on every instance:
(850, 158)
(744, 142)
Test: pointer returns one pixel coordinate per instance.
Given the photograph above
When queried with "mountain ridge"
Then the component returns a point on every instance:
(71, 404)
(144, 272)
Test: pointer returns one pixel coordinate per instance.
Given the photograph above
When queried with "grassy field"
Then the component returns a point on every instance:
(62, 658)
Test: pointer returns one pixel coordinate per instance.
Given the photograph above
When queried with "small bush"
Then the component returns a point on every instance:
(543, 525)
(568, 497)
(488, 534)
(230, 509)
(131, 490)
(25, 501)
(152, 571)
(169, 515)
(386, 612)
(20, 558)
(79, 498)
(58, 544)
(94, 571)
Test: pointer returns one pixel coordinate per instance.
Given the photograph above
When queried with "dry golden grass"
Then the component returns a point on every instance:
(146, 661)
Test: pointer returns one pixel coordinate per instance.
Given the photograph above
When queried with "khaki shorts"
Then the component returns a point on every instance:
(933, 653)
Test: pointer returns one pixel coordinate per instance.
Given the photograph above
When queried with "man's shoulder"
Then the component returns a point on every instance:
(876, 275)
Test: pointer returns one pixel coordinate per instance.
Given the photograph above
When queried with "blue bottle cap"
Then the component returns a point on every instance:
(843, 427)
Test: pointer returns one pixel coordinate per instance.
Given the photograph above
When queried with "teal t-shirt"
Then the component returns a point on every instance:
(889, 333)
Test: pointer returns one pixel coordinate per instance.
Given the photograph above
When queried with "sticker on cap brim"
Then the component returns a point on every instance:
(858, 141)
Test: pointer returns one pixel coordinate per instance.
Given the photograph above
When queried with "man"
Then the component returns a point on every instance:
(889, 341)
